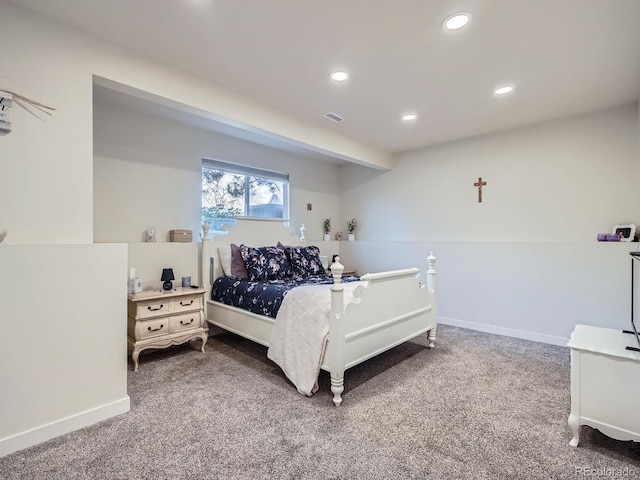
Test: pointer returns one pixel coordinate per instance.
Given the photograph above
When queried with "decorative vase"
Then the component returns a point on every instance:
(327, 237)
(352, 237)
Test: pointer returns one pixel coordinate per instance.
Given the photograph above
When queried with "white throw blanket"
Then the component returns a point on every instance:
(301, 332)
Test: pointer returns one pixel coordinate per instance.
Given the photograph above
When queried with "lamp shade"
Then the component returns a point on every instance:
(167, 275)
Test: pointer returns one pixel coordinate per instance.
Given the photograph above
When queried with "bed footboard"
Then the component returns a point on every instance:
(389, 309)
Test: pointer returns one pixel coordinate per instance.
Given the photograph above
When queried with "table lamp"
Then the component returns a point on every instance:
(167, 276)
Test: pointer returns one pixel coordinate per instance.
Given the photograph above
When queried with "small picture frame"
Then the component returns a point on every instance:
(626, 233)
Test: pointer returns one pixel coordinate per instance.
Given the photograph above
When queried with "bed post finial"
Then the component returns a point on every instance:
(431, 259)
(336, 270)
(431, 272)
(303, 239)
(205, 229)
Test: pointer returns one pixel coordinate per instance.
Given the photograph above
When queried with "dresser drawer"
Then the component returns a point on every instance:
(149, 328)
(150, 308)
(186, 321)
(186, 303)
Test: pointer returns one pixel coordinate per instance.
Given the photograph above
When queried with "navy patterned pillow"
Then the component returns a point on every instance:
(265, 263)
(305, 261)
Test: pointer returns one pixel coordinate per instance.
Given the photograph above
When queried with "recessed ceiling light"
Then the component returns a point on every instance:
(457, 21)
(503, 90)
(339, 76)
(409, 117)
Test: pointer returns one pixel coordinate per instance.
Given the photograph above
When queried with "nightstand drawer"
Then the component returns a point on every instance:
(187, 303)
(149, 328)
(185, 321)
(150, 308)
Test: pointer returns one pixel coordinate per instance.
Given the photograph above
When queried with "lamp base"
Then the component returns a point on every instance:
(167, 285)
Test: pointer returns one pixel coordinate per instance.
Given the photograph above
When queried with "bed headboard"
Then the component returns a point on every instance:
(255, 232)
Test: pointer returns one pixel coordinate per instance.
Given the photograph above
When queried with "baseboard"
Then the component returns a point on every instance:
(507, 332)
(54, 429)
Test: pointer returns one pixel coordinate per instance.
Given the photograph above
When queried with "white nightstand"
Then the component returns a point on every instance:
(161, 319)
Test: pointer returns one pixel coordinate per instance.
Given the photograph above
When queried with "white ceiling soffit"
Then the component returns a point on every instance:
(107, 92)
(564, 57)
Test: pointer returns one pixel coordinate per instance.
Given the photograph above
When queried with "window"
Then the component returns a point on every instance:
(230, 190)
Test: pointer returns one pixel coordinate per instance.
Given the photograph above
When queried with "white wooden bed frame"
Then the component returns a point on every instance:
(389, 309)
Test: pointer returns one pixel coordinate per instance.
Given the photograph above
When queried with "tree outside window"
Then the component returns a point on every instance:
(230, 191)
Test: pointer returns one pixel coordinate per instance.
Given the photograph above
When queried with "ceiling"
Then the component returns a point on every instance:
(564, 57)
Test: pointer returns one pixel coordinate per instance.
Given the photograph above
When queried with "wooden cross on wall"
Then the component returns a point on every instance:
(479, 184)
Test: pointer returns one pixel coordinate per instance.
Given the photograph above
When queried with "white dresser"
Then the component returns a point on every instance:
(162, 319)
(605, 383)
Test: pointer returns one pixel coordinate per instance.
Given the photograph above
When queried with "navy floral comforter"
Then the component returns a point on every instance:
(263, 298)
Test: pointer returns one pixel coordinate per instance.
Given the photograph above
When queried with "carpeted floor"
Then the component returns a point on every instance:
(478, 406)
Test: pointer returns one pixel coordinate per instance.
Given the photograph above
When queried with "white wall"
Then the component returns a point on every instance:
(62, 309)
(525, 261)
(147, 172)
(45, 187)
(63, 359)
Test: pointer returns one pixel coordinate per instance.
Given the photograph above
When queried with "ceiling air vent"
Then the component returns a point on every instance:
(334, 117)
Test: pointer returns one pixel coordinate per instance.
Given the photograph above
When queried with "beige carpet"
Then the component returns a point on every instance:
(477, 406)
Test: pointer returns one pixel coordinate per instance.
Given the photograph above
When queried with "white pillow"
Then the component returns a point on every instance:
(224, 253)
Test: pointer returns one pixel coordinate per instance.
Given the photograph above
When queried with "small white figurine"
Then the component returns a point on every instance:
(150, 235)
(303, 230)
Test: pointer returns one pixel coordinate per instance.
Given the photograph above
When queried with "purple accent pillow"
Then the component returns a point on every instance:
(265, 263)
(238, 268)
(305, 261)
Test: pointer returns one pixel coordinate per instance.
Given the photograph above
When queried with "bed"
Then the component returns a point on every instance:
(362, 321)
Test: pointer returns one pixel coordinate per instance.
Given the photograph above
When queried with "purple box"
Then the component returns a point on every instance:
(608, 237)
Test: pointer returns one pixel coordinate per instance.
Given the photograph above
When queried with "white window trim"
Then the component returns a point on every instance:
(255, 172)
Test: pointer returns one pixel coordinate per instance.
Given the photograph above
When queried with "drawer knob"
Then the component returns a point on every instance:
(155, 309)
(185, 304)
(182, 322)
(155, 329)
